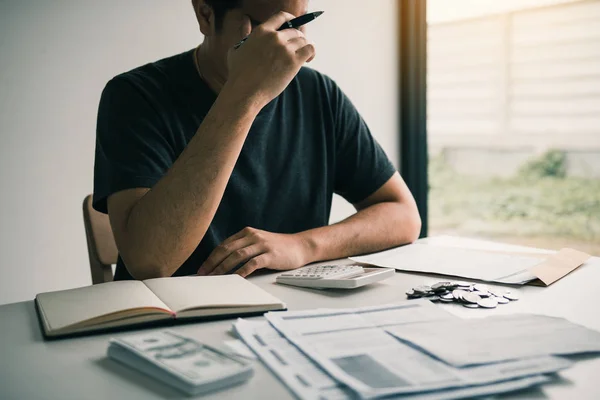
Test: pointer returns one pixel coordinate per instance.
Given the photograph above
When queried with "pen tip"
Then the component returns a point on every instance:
(318, 13)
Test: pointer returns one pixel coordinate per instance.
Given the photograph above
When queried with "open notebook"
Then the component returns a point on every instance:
(124, 303)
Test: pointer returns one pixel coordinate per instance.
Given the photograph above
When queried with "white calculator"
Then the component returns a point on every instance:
(334, 276)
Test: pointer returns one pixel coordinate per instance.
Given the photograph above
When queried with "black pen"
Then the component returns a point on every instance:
(291, 24)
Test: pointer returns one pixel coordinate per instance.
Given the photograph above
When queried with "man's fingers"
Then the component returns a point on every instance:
(307, 53)
(275, 22)
(297, 43)
(247, 231)
(289, 34)
(252, 265)
(221, 252)
(245, 27)
(235, 237)
(236, 258)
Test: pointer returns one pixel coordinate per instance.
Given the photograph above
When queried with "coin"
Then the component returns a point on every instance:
(481, 288)
(471, 298)
(457, 293)
(512, 296)
(422, 289)
(488, 303)
(461, 284)
(447, 296)
(474, 295)
(439, 286)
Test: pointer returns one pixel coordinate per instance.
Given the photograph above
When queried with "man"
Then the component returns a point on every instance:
(217, 159)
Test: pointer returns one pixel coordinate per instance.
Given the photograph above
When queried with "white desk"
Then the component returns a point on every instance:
(31, 368)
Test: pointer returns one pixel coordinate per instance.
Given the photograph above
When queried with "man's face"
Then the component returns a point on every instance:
(258, 11)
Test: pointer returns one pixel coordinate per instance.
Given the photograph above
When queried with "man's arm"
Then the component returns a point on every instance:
(387, 218)
(157, 230)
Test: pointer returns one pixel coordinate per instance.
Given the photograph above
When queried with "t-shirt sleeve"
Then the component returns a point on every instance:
(132, 149)
(361, 165)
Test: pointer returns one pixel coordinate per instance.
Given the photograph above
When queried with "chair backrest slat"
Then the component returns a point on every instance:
(102, 248)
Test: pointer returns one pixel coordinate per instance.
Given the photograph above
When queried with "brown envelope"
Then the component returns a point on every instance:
(558, 265)
(552, 267)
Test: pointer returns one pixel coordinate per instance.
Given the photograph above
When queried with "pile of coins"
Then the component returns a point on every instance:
(467, 294)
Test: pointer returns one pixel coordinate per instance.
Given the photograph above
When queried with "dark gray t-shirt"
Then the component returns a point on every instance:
(307, 144)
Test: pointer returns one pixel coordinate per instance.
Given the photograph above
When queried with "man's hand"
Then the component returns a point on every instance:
(256, 249)
(268, 61)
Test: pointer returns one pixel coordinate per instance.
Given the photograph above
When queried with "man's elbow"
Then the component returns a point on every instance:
(415, 225)
(142, 268)
(412, 223)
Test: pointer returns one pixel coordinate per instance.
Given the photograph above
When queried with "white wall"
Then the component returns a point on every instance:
(55, 58)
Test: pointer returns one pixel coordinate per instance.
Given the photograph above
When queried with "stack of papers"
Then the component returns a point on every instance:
(506, 268)
(368, 353)
(461, 342)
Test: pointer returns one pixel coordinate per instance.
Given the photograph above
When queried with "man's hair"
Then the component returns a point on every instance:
(220, 8)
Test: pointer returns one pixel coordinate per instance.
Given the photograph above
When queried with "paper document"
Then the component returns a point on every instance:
(498, 338)
(308, 381)
(478, 264)
(481, 244)
(474, 264)
(352, 346)
(298, 372)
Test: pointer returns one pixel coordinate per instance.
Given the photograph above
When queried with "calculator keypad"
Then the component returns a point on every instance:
(324, 272)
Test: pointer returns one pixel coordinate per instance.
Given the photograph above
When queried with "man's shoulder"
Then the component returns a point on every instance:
(316, 85)
(309, 75)
(153, 76)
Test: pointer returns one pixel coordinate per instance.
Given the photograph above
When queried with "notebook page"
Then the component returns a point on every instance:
(67, 307)
(194, 292)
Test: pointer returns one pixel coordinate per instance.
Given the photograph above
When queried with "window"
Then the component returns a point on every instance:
(513, 121)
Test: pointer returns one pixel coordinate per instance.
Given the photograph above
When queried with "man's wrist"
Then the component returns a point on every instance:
(237, 101)
(310, 247)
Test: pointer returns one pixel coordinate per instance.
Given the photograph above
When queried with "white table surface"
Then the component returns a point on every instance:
(77, 368)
